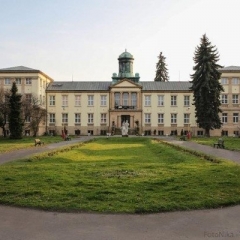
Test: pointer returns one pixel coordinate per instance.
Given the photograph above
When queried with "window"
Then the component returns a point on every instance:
(224, 133)
(103, 132)
(90, 118)
(186, 101)
(90, 100)
(52, 100)
(64, 118)
(90, 132)
(27, 119)
(125, 99)
(77, 132)
(147, 118)
(173, 118)
(235, 98)
(52, 117)
(199, 133)
(18, 81)
(28, 98)
(7, 81)
(224, 99)
(224, 117)
(103, 100)
(117, 99)
(161, 133)
(103, 117)
(134, 99)
(28, 81)
(77, 118)
(235, 117)
(160, 118)
(224, 81)
(77, 100)
(160, 100)
(64, 100)
(235, 81)
(186, 118)
(43, 102)
(236, 133)
(173, 100)
(147, 100)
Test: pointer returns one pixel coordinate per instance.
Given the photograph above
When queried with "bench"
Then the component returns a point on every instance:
(183, 138)
(38, 142)
(219, 144)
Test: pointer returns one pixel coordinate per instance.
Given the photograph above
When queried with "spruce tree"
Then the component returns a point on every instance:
(162, 71)
(15, 121)
(206, 86)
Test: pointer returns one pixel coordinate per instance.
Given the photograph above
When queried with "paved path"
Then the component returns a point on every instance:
(23, 153)
(27, 224)
(217, 152)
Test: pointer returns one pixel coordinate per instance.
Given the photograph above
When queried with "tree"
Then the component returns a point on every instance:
(15, 120)
(33, 114)
(162, 71)
(4, 109)
(206, 86)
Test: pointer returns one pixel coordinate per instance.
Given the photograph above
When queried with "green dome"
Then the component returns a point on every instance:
(126, 55)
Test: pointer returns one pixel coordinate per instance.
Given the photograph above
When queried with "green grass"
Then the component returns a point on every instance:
(230, 143)
(8, 145)
(124, 175)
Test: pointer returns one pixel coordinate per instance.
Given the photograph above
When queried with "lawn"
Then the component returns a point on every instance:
(230, 143)
(8, 145)
(124, 175)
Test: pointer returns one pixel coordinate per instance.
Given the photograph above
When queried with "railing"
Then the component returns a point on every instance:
(125, 107)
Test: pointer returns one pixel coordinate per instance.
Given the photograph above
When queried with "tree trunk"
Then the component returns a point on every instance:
(207, 132)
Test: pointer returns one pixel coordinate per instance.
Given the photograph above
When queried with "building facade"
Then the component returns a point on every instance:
(31, 83)
(98, 108)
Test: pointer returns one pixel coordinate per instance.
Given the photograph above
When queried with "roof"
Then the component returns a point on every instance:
(230, 69)
(126, 55)
(104, 86)
(23, 69)
(18, 68)
(78, 86)
(165, 86)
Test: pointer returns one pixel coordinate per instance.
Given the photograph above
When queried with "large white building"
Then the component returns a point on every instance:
(96, 108)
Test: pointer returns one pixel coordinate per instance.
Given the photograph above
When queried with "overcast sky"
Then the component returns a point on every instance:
(82, 39)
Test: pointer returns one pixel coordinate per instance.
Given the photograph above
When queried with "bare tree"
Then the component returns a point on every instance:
(33, 113)
(4, 109)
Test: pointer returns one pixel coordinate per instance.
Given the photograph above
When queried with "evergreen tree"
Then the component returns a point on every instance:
(206, 86)
(15, 121)
(162, 71)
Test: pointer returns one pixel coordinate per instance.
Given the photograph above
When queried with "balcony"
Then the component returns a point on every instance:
(125, 107)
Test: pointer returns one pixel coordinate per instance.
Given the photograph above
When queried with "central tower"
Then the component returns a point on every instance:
(125, 61)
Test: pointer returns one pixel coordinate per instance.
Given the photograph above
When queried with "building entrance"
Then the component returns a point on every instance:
(125, 118)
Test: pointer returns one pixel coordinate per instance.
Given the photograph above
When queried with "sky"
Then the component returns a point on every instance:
(81, 40)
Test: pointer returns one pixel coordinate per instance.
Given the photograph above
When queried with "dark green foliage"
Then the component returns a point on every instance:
(162, 71)
(206, 86)
(15, 121)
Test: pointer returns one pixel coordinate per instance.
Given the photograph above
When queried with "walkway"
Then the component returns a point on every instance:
(24, 153)
(217, 152)
(27, 224)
